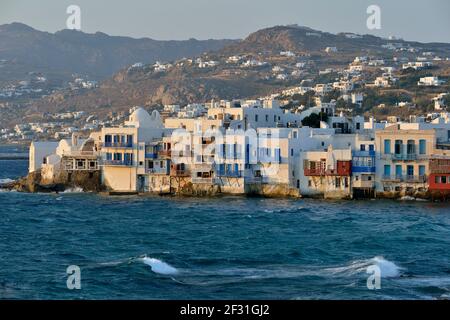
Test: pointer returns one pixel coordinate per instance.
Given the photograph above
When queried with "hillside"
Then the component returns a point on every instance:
(265, 62)
(97, 56)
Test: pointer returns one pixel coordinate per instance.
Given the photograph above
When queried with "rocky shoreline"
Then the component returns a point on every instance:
(33, 183)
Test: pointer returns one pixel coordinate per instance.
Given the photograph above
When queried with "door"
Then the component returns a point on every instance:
(141, 183)
(410, 170)
(398, 171)
(421, 170)
(387, 170)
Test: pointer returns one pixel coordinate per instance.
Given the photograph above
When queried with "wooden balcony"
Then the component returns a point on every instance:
(441, 166)
(165, 153)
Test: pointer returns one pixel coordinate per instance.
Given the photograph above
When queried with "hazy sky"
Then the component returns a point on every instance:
(423, 20)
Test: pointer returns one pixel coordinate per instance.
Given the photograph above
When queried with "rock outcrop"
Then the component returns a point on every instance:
(33, 182)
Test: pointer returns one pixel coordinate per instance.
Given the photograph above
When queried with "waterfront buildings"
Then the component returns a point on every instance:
(257, 147)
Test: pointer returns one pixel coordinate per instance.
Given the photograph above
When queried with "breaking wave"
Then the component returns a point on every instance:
(159, 266)
(409, 198)
(388, 269)
(5, 181)
(73, 190)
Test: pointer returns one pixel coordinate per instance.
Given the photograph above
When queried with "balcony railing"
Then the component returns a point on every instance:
(122, 163)
(179, 173)
(315, 172)
(201, 180)
(163, 171)
(407, 178)
(165, 153)
(231, 174)
(387, 177)
(87, 154)
(151, 155)
(440, 166)
(252, 179)
(363, 169)
(419, 179)
(118, 145)
(440, 169)
(368, 153)
(404, 157)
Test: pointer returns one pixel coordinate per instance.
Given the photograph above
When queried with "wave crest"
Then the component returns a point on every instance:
(159, 266)
(388, 269)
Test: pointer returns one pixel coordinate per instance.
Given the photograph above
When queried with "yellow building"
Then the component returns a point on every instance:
(124, 151)
(403, 160)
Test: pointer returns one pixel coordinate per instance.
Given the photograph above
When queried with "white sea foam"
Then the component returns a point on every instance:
(388, 269)
(5, 181)
(409, 198)
(159, 266)
(74, 190)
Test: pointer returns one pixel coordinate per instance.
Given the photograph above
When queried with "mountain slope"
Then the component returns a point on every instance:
(96, 55)
(185, 81)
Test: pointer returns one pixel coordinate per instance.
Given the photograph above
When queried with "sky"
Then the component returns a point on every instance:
(421, 20)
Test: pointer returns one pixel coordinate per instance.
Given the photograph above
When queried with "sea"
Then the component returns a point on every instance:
(77, 245)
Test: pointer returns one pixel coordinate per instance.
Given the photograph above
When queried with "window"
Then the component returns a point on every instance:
(337, 182)
(267, 118)
(444, 179)
(422, 146)
(292, 152)
(398, 146)
(362, 147)
(387, 146)
(128, 158)
(421, 170)
(437, 179)
(387, 170)
(277, 155)
(411, 147)
(256, 118)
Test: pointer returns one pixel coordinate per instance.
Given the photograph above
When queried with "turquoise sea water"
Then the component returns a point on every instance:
(149, 247)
